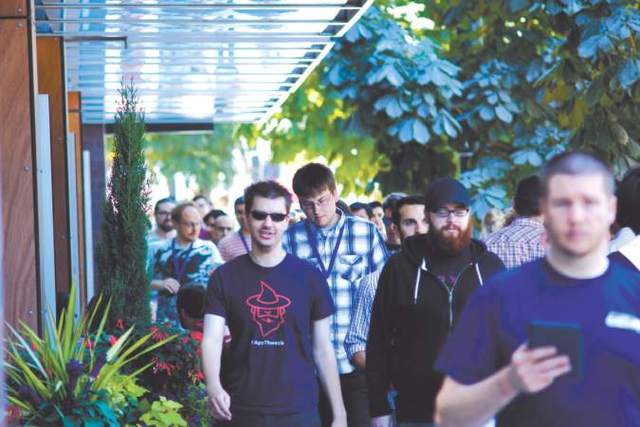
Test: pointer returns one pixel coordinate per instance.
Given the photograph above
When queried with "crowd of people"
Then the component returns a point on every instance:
(393, 313)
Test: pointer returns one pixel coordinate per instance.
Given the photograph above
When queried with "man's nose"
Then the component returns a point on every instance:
(576, 212)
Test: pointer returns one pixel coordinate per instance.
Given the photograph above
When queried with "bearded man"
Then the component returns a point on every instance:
(422, 290)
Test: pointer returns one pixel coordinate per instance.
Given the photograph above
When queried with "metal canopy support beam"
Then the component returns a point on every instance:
(144, 75)
(75, 63)
(245, 58)
(226, 22)
(211, 37)
(196, 5)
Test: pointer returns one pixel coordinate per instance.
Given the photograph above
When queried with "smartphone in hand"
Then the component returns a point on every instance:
(565, 337)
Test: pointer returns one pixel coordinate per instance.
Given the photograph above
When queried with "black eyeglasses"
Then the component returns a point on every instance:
(261, 216)
(457, 212)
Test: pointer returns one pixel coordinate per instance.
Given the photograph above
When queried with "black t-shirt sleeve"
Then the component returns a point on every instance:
(216, 301)
(322, 303)
(471, 351)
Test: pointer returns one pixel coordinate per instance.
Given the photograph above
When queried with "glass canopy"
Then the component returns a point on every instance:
(193, 61)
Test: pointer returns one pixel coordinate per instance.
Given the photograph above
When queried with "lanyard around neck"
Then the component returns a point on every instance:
(313, 241)
(244, 241)
(180, 266)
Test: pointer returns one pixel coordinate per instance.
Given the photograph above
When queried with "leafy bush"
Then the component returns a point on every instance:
(62, 378)
(174, 372)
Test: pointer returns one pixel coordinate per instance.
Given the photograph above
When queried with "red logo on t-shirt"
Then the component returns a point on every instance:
(267, 309)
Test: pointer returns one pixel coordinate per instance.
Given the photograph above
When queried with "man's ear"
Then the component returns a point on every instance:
(336, 193)
(613, 209)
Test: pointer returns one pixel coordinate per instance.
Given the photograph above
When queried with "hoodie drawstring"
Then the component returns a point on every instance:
(478, 273)
(415, 289)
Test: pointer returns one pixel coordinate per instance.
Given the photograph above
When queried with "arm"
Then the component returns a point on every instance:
(530, 371)
(325, 360)
(378, 367)
(355, 342)
(211, 353)
(160, 281)
(359, 359)
(378, 255)
(170, 285)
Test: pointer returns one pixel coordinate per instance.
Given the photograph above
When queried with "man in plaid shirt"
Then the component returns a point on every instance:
(408, 220)
(522, 240)
(345, 249)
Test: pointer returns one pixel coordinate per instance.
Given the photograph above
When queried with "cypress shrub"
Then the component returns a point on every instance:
(123, 249)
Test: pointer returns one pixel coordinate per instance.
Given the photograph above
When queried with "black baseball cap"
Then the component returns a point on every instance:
(446, 190)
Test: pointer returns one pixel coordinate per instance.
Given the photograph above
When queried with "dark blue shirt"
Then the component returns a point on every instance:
(269, 311)
(495, 323)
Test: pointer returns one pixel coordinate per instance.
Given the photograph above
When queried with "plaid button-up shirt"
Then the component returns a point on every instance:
(361, 251)
(356, 339)
(518, 243)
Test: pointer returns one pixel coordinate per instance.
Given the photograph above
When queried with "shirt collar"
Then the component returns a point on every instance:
(525, 221)
(325, 232)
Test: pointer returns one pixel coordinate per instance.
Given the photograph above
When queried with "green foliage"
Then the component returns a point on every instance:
(122, 252)
(540, 77)
(311, 124)
(172, 371)
(199, 155)
(491, 90)
(62, 379)
(163, 413)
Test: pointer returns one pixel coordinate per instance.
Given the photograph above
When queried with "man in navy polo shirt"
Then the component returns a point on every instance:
(491, 370)
(278, 310)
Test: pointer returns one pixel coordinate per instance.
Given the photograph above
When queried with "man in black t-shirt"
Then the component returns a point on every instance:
(278, 309)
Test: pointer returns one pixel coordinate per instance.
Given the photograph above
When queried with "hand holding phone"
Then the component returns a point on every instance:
(565, 337)
(533, 370)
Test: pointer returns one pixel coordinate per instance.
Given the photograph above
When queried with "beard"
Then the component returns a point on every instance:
(165, 226)
(451, 245)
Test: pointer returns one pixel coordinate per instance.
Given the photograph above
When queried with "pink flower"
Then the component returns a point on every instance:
(89, 344)
(120, 324)
(157, 334)
(112, 340)
(196, 376)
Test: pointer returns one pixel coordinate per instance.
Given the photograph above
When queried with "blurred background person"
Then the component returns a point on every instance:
(163, 228)
(209, 221)
(522, 240)
(204, 206)
(625, 247)
(628, 215)
(361, 210)
(239, 242)
(393, 239)
(377, 216)
(183, 259)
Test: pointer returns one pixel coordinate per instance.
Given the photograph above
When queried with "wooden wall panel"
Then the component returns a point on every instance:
(13, 8)
(16, 174)
(51, 82)
(93, 140)
(74, 120)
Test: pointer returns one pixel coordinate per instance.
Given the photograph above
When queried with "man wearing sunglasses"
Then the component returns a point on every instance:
(278, 310)
(344, 249)
(421, 291)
